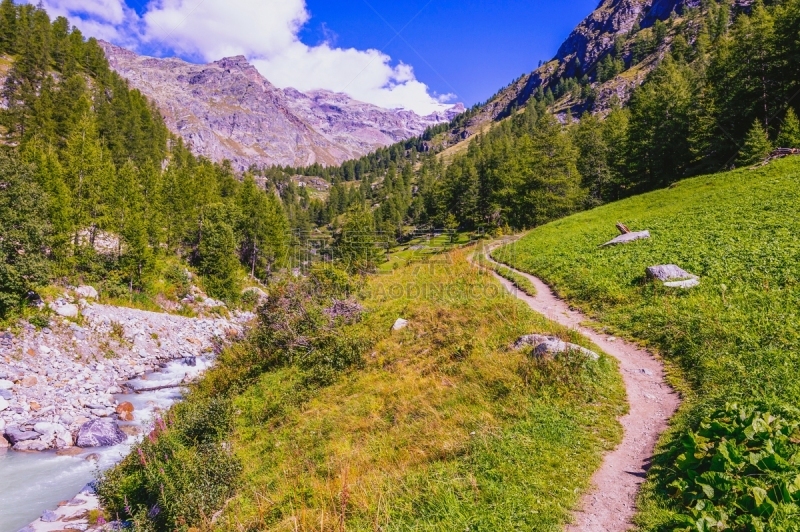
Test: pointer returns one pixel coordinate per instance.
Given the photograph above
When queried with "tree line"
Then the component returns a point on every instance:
(724, 94)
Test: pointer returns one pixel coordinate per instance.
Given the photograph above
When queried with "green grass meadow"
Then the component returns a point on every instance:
(443, 428)
(736, 337)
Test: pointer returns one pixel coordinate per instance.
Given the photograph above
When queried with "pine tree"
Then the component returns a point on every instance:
(8, 27)
(217, 254)
(90, 176)
(25, 233)
(49, 175)
(136, 256)
(356, 245)
(790, 131)
(593, 163)
(756, 146)
(658, 138)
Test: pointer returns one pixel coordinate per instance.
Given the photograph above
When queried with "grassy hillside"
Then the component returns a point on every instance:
(437, 427)
(736, 337)
(443, 428)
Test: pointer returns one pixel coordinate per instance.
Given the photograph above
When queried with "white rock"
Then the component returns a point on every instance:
(86, 292)
(3, 404)
(400, 324)
(6, 385)
(691, 283)
(67, 310)
(2, 425)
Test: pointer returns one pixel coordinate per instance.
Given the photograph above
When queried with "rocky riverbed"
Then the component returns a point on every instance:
(57, 383)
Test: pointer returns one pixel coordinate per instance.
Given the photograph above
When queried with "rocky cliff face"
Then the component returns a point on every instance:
(588, 43)
(228, 110)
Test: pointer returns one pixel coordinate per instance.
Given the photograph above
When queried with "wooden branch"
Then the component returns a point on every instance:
(157, 388)
(622, 228)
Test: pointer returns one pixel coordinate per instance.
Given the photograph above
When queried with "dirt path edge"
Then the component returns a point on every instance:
(611, 503)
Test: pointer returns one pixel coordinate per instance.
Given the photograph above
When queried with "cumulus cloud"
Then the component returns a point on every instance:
(266, 32)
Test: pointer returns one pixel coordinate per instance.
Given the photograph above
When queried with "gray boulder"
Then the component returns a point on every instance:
(54, 435)
(15, 435)
(668, 272)
(32, 445)
(49, 516)
(628, 237)
(672, 276)
(100, 433)
(400, 324)
(544, 346)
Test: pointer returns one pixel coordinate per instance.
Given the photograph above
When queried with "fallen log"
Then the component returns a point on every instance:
(158, 388)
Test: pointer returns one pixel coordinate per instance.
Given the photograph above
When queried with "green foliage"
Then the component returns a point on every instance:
(357, 244)
(217, 255)
(180, 474)
(434, 427)
(24, 233)
(790, 131)
(658, 135)
(740, 470)
(756, 146)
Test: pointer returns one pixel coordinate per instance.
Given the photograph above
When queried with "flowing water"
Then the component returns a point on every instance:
(31, 483)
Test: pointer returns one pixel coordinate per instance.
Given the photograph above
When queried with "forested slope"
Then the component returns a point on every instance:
(721, 92)
(95, 188)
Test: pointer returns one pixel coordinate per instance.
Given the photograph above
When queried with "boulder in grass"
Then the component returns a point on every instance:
(100, 433)
(628, 237)
(668, 273)
(544, 346)
(672, 276)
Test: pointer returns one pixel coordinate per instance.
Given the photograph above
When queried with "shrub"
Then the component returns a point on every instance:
(180, 474)
(740, 471)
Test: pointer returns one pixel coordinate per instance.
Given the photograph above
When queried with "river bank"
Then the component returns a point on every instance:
(70, 384)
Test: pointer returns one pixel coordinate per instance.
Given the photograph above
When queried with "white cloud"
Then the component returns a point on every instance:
(266, 32)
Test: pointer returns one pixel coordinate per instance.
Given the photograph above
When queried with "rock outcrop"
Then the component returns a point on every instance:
(228, 110)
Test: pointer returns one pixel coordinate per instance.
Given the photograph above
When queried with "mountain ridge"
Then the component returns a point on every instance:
(227, 110)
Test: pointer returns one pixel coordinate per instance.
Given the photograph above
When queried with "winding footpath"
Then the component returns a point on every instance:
(611, 504)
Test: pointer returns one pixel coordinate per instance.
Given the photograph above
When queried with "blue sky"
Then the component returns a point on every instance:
(447, 50)
(471, 48)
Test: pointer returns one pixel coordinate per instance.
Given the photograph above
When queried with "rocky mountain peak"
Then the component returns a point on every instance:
(228, 110)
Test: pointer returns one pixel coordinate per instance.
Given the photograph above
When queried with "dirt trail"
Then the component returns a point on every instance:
(610, 505)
